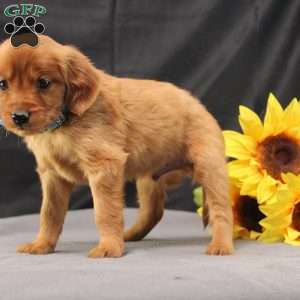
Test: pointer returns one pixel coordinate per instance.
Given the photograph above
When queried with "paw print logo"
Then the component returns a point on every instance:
(24, 31)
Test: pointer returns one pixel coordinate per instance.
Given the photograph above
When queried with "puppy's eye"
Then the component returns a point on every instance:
(43, 84)
(3, 85)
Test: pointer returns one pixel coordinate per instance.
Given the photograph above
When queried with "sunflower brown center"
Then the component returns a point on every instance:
(296, 217)
(279, 154)
(248, 213)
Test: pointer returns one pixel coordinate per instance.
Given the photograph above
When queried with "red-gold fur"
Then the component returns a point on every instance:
(119, 129)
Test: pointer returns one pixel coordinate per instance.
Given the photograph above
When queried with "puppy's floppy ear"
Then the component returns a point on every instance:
(82, 81)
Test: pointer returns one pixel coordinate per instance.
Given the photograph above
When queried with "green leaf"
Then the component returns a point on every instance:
(198, 196)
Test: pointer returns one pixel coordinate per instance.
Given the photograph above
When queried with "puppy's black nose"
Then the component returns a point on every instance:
(20, 117)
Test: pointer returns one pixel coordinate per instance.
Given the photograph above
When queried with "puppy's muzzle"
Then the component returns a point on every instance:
(20, 118)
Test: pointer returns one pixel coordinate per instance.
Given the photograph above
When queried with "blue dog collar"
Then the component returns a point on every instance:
(61, 119)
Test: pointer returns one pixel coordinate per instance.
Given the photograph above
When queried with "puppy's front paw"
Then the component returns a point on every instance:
(107, 249)
(215, 248)
(36, 248)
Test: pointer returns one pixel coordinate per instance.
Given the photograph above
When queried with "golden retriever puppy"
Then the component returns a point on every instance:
(87, 127)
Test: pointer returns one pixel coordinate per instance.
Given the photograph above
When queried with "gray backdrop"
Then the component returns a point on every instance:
(225, 52)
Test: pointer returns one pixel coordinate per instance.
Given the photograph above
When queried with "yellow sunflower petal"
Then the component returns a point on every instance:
(282, 196)
(293, 181)
(200, 211)
(278, 204)
(254, 235)
(238, 145)
(240, 169)
(266, 189)
(292, 237)
(273, 117)
(292, 234)
(249, 184)
(250, 123)
(294, 132)
(292, 242)
(254, 176)
(275, 210)
(291, 114)
(277, 222)
(271, 236)
(236, 182)
(254, 163)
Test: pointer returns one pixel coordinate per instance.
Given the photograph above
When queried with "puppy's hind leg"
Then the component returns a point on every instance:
(206, 151)
(151, 197)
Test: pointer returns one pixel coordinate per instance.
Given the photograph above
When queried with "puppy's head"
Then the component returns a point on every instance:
(36, 83)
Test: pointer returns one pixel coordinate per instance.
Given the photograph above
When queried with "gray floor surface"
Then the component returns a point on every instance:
(168, 264)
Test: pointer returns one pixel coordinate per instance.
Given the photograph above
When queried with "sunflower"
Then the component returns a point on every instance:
(265, 150)
(283, 215)
(246, 214)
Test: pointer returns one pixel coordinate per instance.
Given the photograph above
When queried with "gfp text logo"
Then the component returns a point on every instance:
(15, 10)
